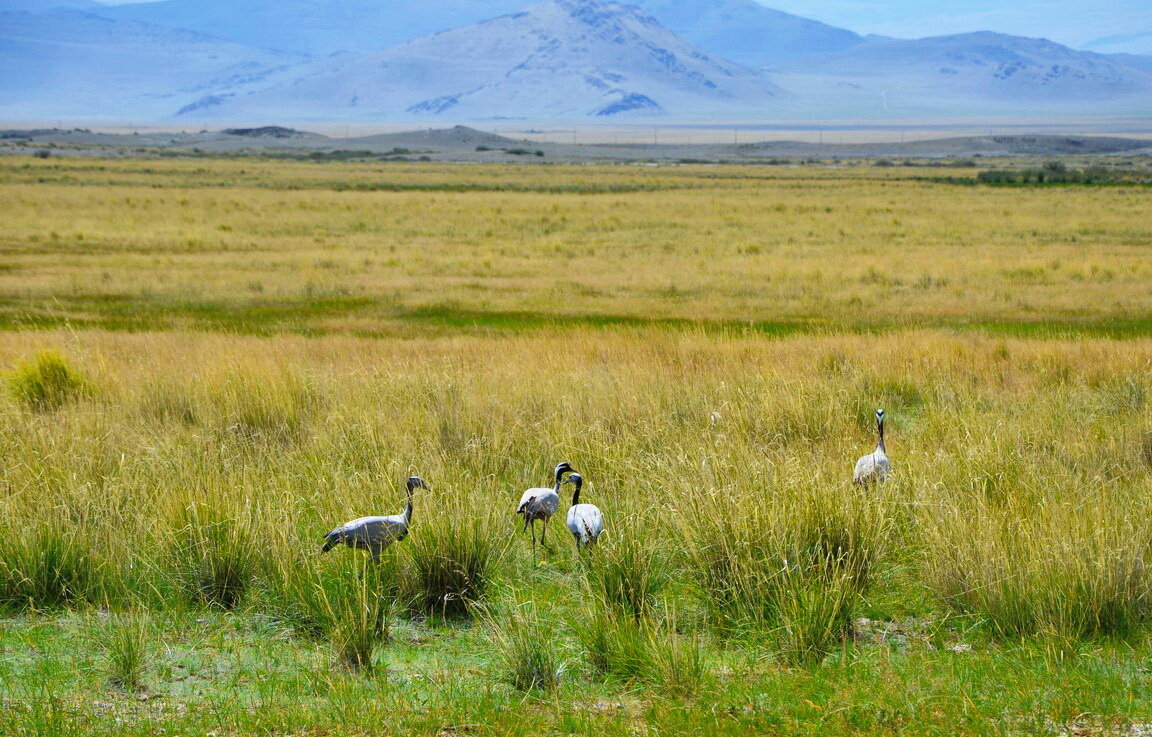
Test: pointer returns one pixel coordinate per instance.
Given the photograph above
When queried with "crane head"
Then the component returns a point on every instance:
(562, 469)
(415, 482)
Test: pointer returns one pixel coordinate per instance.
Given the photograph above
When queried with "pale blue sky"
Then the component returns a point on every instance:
(1072, 22)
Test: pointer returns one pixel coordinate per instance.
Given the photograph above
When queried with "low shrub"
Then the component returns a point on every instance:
(47, 382)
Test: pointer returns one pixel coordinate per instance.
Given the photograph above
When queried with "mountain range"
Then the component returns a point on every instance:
(316, 60)
(556, 59)
(65, 63)
(743, 31)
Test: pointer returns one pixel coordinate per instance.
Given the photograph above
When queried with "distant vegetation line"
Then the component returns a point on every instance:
(126, 313)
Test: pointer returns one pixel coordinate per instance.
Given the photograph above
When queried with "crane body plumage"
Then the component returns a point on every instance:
(874, 467)
(584, 521)
(377, 532)
(541, 503)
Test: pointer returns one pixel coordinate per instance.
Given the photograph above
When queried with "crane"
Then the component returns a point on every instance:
(541, 504)
(375, 533)
(585, 521)
(874, 467)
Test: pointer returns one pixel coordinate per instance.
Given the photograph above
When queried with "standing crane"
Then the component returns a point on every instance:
(584, 520)
(541, 504)
(874, 467)
(375, 533)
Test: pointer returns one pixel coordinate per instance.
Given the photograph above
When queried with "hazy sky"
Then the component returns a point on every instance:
(1072, 22)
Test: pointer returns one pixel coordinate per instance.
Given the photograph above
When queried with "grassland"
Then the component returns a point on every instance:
(246, 352)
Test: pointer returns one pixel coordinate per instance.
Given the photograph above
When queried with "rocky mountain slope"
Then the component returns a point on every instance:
(73, 63)
(557, 59)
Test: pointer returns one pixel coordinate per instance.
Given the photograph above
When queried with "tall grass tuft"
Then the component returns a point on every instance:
(313, 597)
(530, 660)
(621, 646)
(796, 566)
(1078, 571)
(214, 558)
(264, 405)
(47, 382)
(614, 643)
(451, 561)
(362, 619)
(628, 575)
(814, 616)
(47, 569)
(680, 664)
(344, 599)
(125, 641)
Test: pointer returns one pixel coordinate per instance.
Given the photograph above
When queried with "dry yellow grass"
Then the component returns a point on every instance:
(167, 241)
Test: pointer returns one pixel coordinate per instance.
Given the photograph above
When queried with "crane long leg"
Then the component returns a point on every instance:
(543, 529)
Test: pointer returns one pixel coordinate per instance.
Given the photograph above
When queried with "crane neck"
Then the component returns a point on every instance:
(576, 494)
(880, 428)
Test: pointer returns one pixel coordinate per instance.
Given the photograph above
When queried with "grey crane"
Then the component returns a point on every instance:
(375, 533)
(875, 466)
(585, 521)
(541, 504)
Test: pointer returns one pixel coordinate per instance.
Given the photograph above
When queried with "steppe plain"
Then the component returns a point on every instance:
(214, 357)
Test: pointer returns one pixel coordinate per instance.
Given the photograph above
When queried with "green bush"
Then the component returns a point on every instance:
(628, 576)
(47, 382)
(620, 646)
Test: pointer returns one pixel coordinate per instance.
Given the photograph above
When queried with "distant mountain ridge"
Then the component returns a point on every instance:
(743, 31)
(1137, 42)
(561, 58)
(746, 31)
(75, 63)
(317, 27)
(564, 59)
(981, 72)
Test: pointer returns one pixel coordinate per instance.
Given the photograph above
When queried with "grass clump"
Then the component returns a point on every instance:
(1074, 572)
(814, 615)
(620, 646)
(615, 644)
(47, 382)
(628, 576)
(361, 616)
(343, 599)
(264, 405)
(796, 567)
(125, 642)
(530, 660)
(680, 665)
(214, 558)
(450, 565)
(47, 569)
